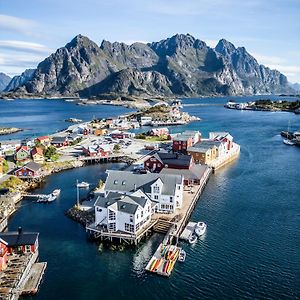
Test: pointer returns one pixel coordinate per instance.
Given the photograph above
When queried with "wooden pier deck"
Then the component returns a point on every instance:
(34, 278)
(163, 260)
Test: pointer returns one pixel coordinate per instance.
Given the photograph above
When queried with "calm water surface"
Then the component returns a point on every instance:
(251, 249)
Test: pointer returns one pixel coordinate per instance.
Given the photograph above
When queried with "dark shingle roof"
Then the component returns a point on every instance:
(58, 139)
(33, 166)
(14, 238)
(204, 146)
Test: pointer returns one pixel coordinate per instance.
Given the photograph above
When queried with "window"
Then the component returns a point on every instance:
(123, 182)
(156, 197)
(111, 215)
(116, 182)
(178, 187)
(99, 209)
(129, 227)
(147, 164)
(156, 189)
(171, 199)
(142, 214)
(131, 218)
(112, 226)
(27, 248)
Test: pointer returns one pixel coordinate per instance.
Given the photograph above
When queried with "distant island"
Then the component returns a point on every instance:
(266, 105)
(9, 130)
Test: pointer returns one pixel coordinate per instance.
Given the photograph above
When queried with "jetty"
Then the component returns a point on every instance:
(34, 278)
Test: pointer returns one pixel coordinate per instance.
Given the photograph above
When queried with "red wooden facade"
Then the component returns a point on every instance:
(26, 172)
(182, 145)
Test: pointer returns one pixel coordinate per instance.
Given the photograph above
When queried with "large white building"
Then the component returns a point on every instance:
(119, 212)
(163, 189)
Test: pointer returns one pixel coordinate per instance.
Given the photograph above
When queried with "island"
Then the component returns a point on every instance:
(9, 130)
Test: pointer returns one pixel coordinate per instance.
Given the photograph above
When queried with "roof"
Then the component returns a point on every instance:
(32, 166)
(14, 238)
(42, 138)
(184, 136)
(37, 150)
(175, 159)
(25, 148)
(195, 172)
(125, 181)
(58, 139)
(204, 146)
(122, 203)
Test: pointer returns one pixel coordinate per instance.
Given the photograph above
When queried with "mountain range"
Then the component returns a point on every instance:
(178, 66)
(4, 81)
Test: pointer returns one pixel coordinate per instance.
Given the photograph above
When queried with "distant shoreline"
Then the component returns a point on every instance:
(9, 130)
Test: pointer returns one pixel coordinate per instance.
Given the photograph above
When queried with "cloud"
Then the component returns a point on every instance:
(24, 46)
(20, 25)
(130, 42)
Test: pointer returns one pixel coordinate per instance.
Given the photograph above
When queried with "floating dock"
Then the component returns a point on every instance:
(163, 260)
(34, 278)
(188, 231)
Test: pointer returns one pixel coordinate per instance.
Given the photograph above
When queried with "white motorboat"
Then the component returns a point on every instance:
(56, 192)
(288, 142)
(43, 198)
(193, 239)
(200, 228)
(182, 255)
(51, 198)
(83, 184)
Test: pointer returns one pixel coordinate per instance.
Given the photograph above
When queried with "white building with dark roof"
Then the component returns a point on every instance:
(122, 213)
(164, 189)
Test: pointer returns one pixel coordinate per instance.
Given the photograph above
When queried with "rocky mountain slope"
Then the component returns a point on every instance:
(4, 81)
(180, 65)
(19, 80)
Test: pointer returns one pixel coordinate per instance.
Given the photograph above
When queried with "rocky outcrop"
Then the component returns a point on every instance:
(4, 81)
(180, 65)
(19, 80)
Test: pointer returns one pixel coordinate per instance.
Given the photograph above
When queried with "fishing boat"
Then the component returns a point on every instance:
(200, 228)
(193, 239)
(182, 255)
(83, 184)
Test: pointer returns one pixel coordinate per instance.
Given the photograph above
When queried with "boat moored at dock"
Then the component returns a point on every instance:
(200, 228)
(82, 184)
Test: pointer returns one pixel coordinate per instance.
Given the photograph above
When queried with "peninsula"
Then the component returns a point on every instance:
(9, 130)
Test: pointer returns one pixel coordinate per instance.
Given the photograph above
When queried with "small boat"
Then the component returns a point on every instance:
(182, 255)
(43, 198)
(83, 184)
(56, 192)
(193, 239)
(200, 228)
(288, 142)
(51, 198)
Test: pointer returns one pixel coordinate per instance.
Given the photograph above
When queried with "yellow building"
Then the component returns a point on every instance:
(204, 152)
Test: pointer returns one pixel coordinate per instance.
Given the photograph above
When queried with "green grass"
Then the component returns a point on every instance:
(11, 183)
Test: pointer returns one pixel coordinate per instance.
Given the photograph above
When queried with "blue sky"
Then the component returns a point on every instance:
(32, 29)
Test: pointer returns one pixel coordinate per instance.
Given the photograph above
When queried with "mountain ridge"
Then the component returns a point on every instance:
(177, 66)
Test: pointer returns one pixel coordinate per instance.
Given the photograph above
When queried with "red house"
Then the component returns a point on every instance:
(30, 170)
(60, 141)
(95, 151)
(184, 140)
(158, 161)
(44, 140)
(3, 254)
(19, 242)
(159, 131)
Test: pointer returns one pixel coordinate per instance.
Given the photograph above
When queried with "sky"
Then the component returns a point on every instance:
(30, 30)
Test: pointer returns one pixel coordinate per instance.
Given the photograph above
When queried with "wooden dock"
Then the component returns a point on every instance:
(34, 278)
(163, 260)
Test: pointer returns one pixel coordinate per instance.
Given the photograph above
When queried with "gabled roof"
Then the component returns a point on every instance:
(125, 181)
(25, 148)
(42, 138)
(37, 150)
(204, 146)
(14, 238)
(58, 139)
(32, 166)
(184, 136)
(195, 172)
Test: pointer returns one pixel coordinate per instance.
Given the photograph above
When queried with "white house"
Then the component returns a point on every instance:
(163, 189)
(119, 212)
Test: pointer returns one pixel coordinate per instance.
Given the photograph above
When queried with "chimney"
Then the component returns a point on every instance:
(20, 230)
(134, 187)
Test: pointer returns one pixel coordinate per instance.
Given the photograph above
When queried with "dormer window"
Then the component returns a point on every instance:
(156, 189)
(123, 182)
(116, 182)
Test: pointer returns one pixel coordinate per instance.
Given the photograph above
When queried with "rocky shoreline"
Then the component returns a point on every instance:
(9, 130)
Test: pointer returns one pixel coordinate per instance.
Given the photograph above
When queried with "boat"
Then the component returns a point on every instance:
(56, 192)
(43, 198)
(200, 228)
(83, 184)
(182, 255)
(51, 198)
(193, 239)
(288, 141)
(73, 120)
(297, 111)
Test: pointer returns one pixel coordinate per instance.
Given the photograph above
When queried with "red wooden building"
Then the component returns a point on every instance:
(60, 141)
(95, 151)
(184, 140)
(17, 242)
(158, 161)
(30, 170)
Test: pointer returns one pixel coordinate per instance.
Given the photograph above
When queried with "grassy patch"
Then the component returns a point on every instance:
(11, 183)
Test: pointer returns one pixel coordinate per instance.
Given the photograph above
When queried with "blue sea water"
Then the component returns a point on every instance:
(251, 249)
